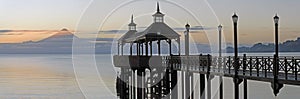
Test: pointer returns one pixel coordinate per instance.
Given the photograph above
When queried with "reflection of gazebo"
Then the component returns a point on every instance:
(157, 31)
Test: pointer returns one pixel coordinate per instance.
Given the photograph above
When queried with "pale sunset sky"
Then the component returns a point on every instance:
(24, 20)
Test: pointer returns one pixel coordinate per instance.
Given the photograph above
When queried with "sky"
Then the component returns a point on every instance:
(87, 17)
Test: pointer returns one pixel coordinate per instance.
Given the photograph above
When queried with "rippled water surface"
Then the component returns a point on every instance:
(45, 76)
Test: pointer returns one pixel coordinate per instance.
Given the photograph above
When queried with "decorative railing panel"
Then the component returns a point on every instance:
(250, 66)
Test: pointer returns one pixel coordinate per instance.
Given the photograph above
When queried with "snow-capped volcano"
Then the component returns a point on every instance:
(63, 35)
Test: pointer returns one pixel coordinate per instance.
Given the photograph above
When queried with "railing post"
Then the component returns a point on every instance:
(245, 88)
(202, 86)
(250, 66)
(265, 66)
(286, 68)
(191, 76)
(187, 79)
(244, 64)
(174, 91)
(229, 64)
(269, 63)
(257, 67)
(296, 71)
(209, 77)
(275, 85)
(224, 65)
(208, 64)
(244, 73)
(202, 78)
(237, 81)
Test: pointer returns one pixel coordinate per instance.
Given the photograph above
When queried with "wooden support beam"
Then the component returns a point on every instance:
(202, 86)
(245, 89)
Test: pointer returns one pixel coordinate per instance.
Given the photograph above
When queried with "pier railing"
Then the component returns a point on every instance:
(250, 67)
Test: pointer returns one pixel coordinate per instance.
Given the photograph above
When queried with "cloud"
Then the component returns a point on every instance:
(3, 31)
(114, 31)
(21, 32)
(105, 39)
(193, 29)
(8, 33)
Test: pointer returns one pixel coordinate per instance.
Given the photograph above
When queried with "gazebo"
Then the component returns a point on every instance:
(156, 32)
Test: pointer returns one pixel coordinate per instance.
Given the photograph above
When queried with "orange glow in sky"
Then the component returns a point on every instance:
(19, 36)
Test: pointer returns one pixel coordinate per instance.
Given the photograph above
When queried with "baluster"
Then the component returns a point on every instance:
(229, 64)
(296, 71)
(219, 64)
(208, 64)
(265, 66)
(244, 64)
(199, 66)
(212, 67)
(286, 68)
(257, 67)
(203, 64)
(269, 66)
(224, 66)
(250, 66)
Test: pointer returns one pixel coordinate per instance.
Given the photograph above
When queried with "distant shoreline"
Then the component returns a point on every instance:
(166, 53)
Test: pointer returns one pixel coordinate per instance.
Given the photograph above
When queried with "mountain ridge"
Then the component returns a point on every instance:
(287, 46)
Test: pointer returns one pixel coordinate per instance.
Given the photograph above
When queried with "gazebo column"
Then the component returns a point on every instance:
(122, 48)
(147, 48)
(142, 45)
(130, 49)
(158, 46)
(118, 48)
(151, 48)
(137, 49)
(179, 48)
(170, 46)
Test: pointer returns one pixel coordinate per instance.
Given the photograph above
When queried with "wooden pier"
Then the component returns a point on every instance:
(250, 68)
(148, 75)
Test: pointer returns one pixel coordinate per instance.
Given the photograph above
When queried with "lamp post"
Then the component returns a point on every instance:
(220, 39)
(276, 21)
(276, 86)
(237, 81)
(220, 55)
(187, 42)
(187, 74)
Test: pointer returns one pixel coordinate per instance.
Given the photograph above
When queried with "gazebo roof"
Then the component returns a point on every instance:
(161, 28)
(127, 35)
(156, 31)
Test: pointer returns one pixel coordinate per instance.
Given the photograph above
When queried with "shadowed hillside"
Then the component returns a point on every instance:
(287, 46)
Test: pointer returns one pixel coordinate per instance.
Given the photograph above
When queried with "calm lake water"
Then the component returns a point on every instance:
(45, 76)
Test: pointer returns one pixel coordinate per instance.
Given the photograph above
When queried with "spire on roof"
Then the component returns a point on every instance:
(158, 10)
(132, 18)
(132, 25)
(158, 16)
(132, 21)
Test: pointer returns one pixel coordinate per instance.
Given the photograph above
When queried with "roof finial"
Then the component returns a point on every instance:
(158, 10)
(132, 18)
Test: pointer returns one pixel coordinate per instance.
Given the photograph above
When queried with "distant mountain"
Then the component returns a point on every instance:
(287, 46)
(60, 42)
(62, 36)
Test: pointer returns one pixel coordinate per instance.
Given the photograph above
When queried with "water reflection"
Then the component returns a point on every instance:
(35, 76)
